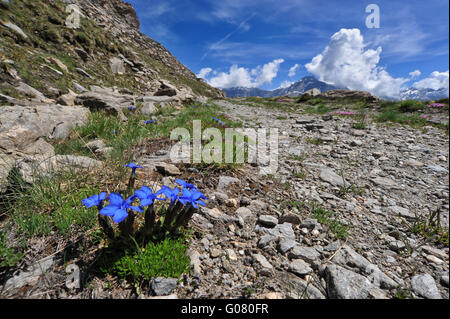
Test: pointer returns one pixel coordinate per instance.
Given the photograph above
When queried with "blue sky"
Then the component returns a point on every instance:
(217, 34)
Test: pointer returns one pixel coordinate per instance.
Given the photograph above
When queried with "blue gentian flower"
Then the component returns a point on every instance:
(131, 108)
(149, 122)
(185, 184)
(195, 106)
(95, 200)
(192, 197)
(146, 196)
(117, 208)
(171, 194)
(134, 167)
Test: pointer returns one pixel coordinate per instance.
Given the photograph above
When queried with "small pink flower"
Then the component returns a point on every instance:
(344, 113)
(436, 105)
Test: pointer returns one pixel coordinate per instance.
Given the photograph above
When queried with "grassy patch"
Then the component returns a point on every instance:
(320, 109)
(292, 204)
(164, 259)
(54, 204)
(314, 141)
(9, 256)
(430, 228)
(326, 217)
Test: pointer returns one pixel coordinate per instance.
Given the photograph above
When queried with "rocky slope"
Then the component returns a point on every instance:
(51, 75)
(107, 49)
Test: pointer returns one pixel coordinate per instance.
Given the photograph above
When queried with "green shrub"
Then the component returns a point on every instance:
(165, 259)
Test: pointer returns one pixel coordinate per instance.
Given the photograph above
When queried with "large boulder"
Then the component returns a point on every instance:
(23, 129)
(309, 94)
(349, 95)
(31, 168)
(106, 99)
(42, 119)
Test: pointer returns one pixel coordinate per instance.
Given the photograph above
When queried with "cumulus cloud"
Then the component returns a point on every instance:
(437, 80)
(293, 70)
(204, 73)
(243, 77)
(346, 62)
(415, 74)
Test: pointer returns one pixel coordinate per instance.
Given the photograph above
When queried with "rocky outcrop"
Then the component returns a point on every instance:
(23, 130)
(349, 95)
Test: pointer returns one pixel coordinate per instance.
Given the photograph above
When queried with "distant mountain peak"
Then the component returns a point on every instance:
(296, 89)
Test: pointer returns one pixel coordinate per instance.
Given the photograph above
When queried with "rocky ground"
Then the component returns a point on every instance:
(335, 221)
(253, 246)
(350, 213)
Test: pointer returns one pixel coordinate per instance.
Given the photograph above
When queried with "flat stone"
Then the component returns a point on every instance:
(265, 240)
(397, 245)
(285, 244)
(404, 212)
(309, 223)
(306, 253)
(281, 230)
(263, 264)
(384, 182)
(167, 169)
(163, 286)
(299, 267)
(435, 252)
(425, 286)
(14, 27)
(29, 277)
(329, 176)
(345, 284)
(268, 221)
(290, 218)
(444, 279)
(437, 169)
(226, 181)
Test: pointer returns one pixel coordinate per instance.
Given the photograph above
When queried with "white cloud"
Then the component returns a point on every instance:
(415, 74)
(293, 70)
(437, 80)
(285, 84)
(242, 77)
(204, 73)
(346, 62)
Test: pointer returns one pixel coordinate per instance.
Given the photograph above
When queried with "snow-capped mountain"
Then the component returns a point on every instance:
(423, 94)
(294, 90)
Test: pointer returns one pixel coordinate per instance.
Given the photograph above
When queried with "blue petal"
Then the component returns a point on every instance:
(140, 194)
(102, 196)
(130, 200)
(145, 202)
(115, 199)
(200, 202)
(183, 201)
(120, 215)
(88, 202)
(109, 211)
(136, 209)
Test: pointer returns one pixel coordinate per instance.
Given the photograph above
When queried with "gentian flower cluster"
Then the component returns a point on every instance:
(183, 203)
(132, 108)
(149, 122)
(218, 120)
